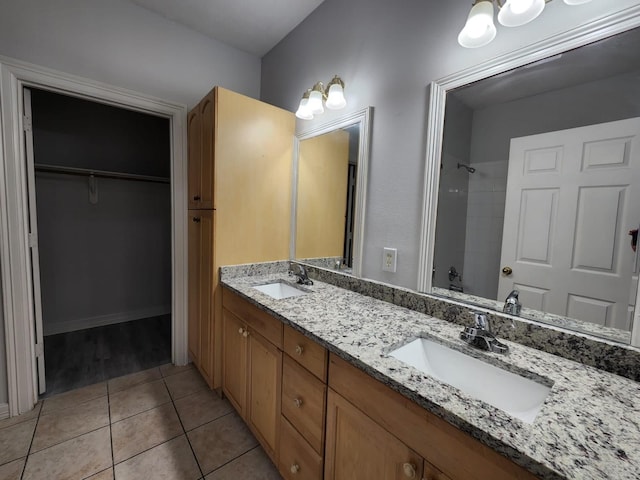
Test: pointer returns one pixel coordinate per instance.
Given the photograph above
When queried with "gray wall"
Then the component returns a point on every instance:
(388, 53)
(122, 44)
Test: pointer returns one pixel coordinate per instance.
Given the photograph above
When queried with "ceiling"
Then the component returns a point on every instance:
(254, 26)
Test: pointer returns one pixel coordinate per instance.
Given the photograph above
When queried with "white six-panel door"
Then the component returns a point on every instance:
(572, 198)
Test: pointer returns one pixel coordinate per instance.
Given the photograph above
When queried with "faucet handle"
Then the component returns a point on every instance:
(481, 321)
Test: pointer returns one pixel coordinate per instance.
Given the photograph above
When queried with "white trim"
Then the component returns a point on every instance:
(364, 118)
(15, 264)
(53, 328)
(577, 37)
(4, 411)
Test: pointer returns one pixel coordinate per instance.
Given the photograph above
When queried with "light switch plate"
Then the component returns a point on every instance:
(389, 259)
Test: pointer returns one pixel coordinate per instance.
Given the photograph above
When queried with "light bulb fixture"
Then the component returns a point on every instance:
(312, 100)
(304, 112)
(479, 29)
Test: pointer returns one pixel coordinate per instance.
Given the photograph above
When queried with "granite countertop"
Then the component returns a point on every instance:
(588, 428)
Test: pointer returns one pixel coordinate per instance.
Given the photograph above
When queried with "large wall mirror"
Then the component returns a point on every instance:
(329, 191)
(536, 168)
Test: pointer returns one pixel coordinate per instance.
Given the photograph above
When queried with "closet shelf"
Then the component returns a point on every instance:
(98, 173)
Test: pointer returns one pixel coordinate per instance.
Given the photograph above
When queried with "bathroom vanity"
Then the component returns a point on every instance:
(339, 406)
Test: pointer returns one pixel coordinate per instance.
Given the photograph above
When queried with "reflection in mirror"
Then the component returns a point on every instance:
(329, 184)
(539, 189)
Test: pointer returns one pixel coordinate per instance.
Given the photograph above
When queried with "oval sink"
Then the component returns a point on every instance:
(280, 290)
(518, 396)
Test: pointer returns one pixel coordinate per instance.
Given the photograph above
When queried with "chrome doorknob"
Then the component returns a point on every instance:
(507, 270)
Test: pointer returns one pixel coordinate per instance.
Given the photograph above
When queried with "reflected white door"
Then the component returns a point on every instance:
(572, 198)
(33, 239)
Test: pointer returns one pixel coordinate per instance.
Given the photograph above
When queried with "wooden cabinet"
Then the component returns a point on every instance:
(240, 166)
(200, 286)
(449, 453)
(359, 449)
(252, 368)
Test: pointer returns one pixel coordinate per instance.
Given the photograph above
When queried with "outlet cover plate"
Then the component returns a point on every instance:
(389, 259)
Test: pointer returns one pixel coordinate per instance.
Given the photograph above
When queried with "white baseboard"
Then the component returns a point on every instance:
(4, 411)
(53, 328)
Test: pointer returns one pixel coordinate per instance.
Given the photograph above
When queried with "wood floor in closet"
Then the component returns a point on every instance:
(84, 357)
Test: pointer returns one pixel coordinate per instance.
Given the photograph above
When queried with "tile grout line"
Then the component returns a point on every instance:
(26, 458)
(235, 458)
(113, 463)
(184, 429)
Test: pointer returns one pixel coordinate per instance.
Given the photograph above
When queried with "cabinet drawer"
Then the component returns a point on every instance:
(297, 459)
(256, 319)
(304, 402)
(306, 352)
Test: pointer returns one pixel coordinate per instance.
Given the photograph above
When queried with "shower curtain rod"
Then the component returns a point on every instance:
(98, 173)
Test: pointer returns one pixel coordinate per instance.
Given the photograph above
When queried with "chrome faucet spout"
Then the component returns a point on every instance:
(302, 276)
(480, 335)
(512, 305)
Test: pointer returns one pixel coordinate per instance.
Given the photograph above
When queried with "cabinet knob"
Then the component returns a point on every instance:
(409, 470)
(241, 330)
(295, 468)
(245, 334)
(297, 402)
(196, 198)
(196, 219)
(299, 349)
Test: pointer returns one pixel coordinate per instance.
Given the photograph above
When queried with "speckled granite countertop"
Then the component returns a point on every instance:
(588, 428)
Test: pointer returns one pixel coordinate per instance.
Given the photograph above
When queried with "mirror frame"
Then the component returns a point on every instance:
(362, 117)
(591, 32)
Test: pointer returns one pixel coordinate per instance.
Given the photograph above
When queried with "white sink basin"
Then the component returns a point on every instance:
(280, 290)
(518, 396)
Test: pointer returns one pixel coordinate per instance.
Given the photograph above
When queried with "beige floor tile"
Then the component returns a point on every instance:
(185, 383)
(220, 441)
(15, 440)
(127, 381)
(172, 460)
(74, 397)
(144, 431)
(255, 465)
(103, 475)
(137, 399)
(62, 425)
(13, 470)
(77, 458)
(170, 369)
(31, 414)
(200, 408)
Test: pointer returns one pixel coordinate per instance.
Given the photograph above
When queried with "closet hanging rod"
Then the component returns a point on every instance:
(39, 167)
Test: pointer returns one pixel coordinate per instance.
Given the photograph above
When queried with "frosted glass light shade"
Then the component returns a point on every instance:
(519, 12)
(576, 2)
(335, 98)
(304, 112)
(315, 102)
(479, 29)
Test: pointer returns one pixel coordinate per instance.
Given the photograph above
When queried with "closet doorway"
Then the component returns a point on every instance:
(100, 221)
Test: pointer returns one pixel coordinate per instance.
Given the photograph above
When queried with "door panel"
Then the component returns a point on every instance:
(194, 278)
(207, 172)
(194, 143)
(574, 195)
(234, 362)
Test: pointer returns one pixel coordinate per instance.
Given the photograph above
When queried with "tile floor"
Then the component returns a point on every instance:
(160, 424)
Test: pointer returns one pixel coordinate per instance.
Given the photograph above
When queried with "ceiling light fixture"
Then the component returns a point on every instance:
(312, 100)
(479, 29)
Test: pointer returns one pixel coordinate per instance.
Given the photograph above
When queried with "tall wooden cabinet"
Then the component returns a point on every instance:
(239, 199)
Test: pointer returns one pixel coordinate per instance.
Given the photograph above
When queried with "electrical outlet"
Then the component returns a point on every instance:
(389, 259)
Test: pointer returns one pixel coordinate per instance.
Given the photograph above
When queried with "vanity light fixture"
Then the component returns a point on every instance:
(312, 100)
(479, 30)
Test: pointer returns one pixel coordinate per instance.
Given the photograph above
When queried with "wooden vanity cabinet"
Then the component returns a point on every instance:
(362, 408)
(252, 367)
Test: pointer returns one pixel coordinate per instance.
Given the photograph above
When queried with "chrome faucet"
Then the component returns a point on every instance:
(302, 276)
(512, 305)
(480, 335)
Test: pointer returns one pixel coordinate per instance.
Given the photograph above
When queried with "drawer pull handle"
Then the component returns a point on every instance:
(295, 468)
(196, 198)
(196, 219)
(409, 470)
(299, 349)
(297, 402)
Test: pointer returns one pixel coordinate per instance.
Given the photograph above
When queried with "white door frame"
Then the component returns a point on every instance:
(15, 266)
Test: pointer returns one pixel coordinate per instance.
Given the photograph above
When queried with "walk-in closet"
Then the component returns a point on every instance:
(100, 215)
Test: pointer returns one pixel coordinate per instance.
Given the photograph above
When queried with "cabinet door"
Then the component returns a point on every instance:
(234, 362)
(432, 473)
(359, 449)
(206, 294)
(207, 171)
(193, 282)
(265, 375)
(194, 146)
